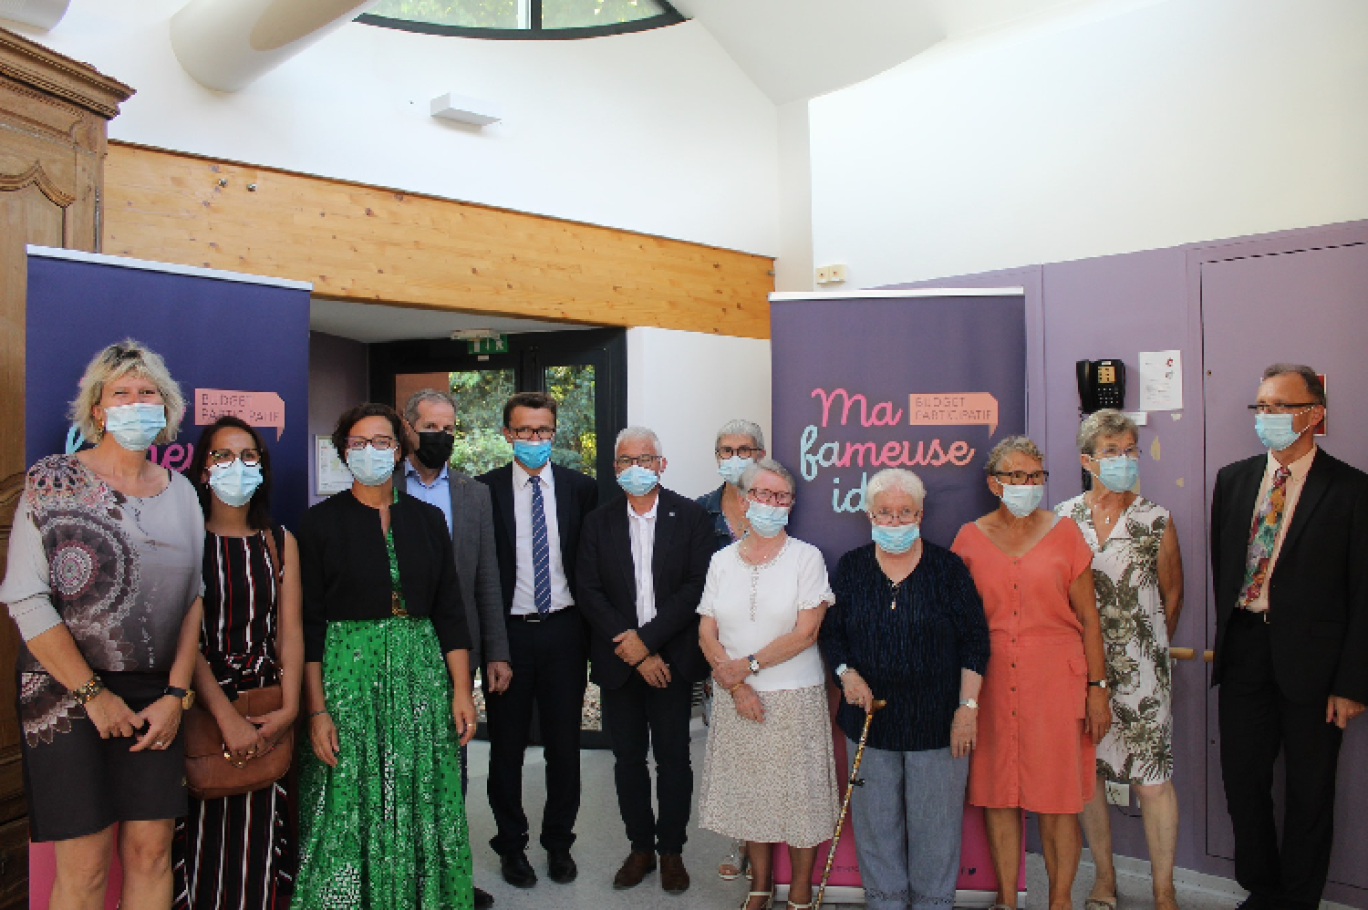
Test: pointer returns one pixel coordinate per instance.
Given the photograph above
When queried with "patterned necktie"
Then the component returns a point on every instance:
(1263, 535)
(541, 551)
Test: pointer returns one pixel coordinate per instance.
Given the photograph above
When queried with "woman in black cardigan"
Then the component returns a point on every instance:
(386, 690)
(907, 627)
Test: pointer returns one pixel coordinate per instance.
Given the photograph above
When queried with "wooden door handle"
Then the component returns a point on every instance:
(1208, 656)
(1182, 653)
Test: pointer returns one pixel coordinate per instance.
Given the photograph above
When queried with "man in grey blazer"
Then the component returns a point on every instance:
(426, 475)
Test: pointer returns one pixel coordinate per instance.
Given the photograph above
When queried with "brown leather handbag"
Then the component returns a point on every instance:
(209, 772)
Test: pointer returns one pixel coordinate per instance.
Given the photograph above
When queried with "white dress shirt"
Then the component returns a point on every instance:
(524, 581)
(643, 528)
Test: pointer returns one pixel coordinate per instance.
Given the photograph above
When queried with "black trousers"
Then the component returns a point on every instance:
(639, 717)
(549, 661)
(1257, 722)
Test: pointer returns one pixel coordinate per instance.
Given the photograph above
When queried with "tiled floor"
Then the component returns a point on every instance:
(602, 846)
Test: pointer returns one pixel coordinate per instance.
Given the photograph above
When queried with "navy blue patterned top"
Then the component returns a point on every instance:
(722, 536)
(909, 654)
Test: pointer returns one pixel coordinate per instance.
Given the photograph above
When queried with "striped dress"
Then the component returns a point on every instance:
(239, 851)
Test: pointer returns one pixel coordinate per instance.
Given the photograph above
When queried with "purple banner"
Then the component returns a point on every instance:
(235, 347)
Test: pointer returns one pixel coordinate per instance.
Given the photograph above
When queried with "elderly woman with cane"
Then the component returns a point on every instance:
(908, 626)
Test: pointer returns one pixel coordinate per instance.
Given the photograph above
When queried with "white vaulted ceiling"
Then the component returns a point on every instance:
(797, 49)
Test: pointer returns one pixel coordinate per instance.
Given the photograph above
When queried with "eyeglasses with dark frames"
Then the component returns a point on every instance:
(220, 458)
(527, 433)
(725, 452)
(1273, 407)
(381, 443)
(646, 461)
(1020, 478)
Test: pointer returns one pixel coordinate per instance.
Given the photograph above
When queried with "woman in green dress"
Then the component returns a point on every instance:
(386, 690)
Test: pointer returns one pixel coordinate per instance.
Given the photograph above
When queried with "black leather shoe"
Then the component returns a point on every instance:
(483, 899)
(560, 867)
(517, 871)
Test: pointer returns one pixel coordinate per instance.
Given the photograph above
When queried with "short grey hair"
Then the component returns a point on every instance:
(631, 433)
(890, 479)
(128, 357)
(1313, 381)
(762, 466)
(1103, 423)
(740, 427)
(1012, 445)
(422, 395)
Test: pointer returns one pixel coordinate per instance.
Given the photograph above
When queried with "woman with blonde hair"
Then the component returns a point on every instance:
(104, 585)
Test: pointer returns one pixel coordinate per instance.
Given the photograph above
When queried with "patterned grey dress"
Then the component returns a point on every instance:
(121, 572)
(1138, 749)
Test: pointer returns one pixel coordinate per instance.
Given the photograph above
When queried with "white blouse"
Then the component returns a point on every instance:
(754, 605)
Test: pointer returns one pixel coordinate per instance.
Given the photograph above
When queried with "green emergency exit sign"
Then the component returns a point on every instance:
(496, 345)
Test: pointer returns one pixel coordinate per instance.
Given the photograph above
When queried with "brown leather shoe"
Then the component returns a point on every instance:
(634, 869)
(674, 878)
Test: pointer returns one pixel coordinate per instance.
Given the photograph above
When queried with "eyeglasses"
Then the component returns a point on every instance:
(1276, 408)
(771, 497)
(725, 452)
(886, 517)
(1114, 452)
(381, 443)
(526, 433)
(646, 461)
(1022, 477)
(220, 458)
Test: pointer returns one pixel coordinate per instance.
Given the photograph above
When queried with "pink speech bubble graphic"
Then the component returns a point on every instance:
(955, 409)
(260, 409)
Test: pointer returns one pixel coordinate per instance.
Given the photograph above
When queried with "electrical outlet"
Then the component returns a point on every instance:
(837, 272)
(823, 275)
(1118, 794)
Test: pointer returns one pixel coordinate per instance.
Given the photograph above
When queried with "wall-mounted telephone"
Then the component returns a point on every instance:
(1101, 384)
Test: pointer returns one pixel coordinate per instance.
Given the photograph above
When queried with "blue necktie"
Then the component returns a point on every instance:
(541, 551)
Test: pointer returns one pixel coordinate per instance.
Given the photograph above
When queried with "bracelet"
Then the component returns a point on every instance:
(316, 713)
(85, 693)
(735, 687)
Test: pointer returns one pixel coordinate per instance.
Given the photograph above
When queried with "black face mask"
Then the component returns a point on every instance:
(434, 449)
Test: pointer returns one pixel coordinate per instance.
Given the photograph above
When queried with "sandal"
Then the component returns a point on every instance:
(1097, 903)
(767, 895)
(793, 906)
(734, 864)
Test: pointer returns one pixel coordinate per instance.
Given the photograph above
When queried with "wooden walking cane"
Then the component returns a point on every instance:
(845, 805)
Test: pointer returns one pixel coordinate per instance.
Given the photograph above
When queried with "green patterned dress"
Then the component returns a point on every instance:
(386, 828)
(1138, 749)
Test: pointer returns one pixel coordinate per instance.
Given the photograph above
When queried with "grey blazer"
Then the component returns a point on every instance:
(472, 538)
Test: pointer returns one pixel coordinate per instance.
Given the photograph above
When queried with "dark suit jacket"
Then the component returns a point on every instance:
(576, 496)
(1318, 593)
(472, 538)
(607, 586)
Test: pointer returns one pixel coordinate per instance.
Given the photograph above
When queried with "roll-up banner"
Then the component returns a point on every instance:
(236, 344)
(924, 380)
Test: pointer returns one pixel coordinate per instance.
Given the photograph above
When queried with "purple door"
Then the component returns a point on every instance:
(1264, 302)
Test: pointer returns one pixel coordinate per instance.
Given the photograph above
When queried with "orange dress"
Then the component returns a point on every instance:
(1033, 751)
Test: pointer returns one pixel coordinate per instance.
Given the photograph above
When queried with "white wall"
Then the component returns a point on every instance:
(685, 385)
(793, 267)
(656, 131)
(1119, 126)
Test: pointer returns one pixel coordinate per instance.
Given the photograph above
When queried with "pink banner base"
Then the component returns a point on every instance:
(43, 869)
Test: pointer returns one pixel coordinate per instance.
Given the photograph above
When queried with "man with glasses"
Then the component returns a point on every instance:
(430, 418)
(538, 509)
(642, 565)
(1289, 558)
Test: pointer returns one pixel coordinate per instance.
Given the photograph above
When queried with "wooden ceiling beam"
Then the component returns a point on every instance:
(375, 245)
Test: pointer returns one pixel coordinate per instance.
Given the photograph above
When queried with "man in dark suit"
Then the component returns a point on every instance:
(642, 565)
(1289, 558)
(426, 475)
(538, 509)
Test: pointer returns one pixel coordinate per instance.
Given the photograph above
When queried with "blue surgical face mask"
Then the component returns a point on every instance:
(732, 468)
(1119, 473)
(532, 454)
(638, 481)
(134, 426)
(371, 466)
(766, 520)
(1021, 499)
(235, 483)
(1275, 430)
(895, 538)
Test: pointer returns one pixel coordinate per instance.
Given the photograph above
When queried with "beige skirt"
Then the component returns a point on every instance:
(774, 781)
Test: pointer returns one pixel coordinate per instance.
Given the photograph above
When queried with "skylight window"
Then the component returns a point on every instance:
(523, 18)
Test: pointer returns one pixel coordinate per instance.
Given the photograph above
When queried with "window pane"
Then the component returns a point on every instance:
(468, 13)
(480, 397)
(576, 443)
(583, 13)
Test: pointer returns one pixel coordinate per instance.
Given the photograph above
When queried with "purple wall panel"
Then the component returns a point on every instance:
(339, 377)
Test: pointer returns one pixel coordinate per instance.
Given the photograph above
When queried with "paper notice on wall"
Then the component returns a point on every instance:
(1161, 380)
(333, 476)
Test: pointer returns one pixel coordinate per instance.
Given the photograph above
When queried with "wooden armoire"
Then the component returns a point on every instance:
(54, 114)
